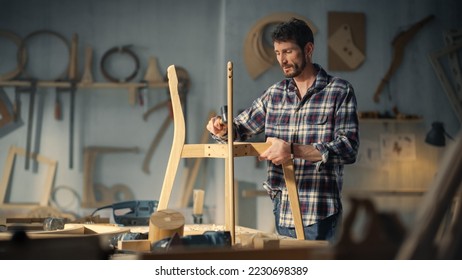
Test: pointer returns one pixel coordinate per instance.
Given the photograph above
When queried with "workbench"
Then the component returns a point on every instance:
(92, 241)
(249, 244)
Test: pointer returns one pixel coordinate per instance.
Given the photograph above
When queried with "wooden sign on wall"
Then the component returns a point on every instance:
(347, 40)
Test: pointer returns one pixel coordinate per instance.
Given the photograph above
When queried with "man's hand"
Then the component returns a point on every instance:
(217, 127)
(278, 152)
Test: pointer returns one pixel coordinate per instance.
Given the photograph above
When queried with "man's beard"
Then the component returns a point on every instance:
(297, 69)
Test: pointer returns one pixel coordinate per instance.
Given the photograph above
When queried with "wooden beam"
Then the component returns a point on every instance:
(230, 222)
(179, 135)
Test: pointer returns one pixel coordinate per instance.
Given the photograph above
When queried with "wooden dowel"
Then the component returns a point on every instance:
(229, 196)
(198, 202)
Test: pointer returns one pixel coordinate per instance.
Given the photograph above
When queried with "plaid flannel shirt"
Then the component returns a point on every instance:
(326, 117)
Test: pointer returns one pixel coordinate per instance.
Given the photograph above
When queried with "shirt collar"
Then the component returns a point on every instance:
(321, 78)
(319, 84)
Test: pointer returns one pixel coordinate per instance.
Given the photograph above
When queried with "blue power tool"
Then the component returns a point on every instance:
(134, 213)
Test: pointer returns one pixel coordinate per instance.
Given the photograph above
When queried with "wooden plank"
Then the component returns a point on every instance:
(241, 149)
(250, 148)
(134, 245)
(229, 184)
(291, 185)
(266, 243)
(179, 135)
(204, 150)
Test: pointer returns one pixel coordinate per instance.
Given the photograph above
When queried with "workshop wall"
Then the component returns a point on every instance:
(186, 35)
(201, 36)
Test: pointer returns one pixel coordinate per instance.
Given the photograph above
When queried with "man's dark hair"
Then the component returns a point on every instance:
(293, 30)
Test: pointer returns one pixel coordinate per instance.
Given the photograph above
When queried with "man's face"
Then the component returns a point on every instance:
(290, 57)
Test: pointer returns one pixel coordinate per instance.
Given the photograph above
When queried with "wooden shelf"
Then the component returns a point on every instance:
(390, 120)
(384, 192)
(84, 85)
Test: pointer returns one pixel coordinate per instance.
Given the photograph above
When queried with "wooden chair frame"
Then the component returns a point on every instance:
(226, 151)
